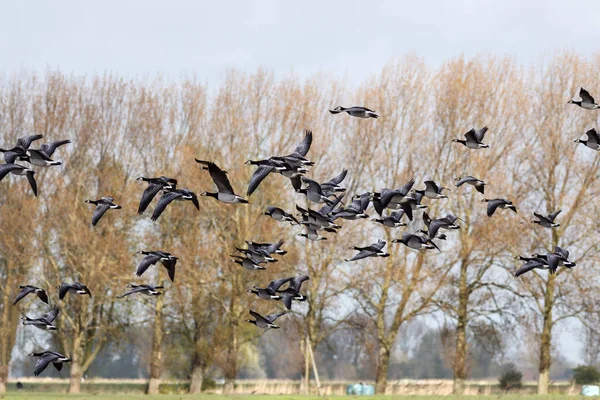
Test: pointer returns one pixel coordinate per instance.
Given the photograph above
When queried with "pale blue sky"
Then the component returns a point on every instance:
(349, 39)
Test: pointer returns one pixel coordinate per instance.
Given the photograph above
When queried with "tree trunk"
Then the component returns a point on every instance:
(546, 337)
(460, 352)
(381, 375)
(155, 362)
(3, 378)
(231, 367)
(75, 377)
(196, 379)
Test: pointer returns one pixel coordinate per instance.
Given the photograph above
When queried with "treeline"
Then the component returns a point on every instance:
(122, 129)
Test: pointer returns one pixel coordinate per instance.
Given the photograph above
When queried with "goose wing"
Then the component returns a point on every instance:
(164, 201)
(553, 215)
(378, 246)
(146, 262)
(11, 156)
(407, 186)
(493, 205)
(259, 317)
(296, 283)
(338, 179)
(561, 252)
(434, 227)
(479, 134)
(44, 361)
(26, 141)
(272, 247)
(149, 193)
(592, 135)
(406, 207)
(466, 179)
(362, 254)
(170, 266)
(25, 290)
(272, 317)
(257, 177)
(313, 186)
(471, 135)
(553, 261)
(43, 296)
(396, 216)
(220, 179)
(304, 146)
(100, 210)
(63, 290)
(328, 208)
(585, 96)
(32, 183)
(6, 168)
(275, 285)
(528, 266)
(50, 315)
(50, 148)
(135, 289)
(432, 187)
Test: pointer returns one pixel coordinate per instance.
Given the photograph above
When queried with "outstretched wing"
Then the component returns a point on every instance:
(471, 136)
(464, 180)
(338, 179)
(99, 212)
(528, 266)
(259, 317)
(220, 179)
(362, 254)
(146, 262)
(585, 96)
(553, 216)
(51, 315)
(24, 292)
(273, 247)
(257, 177)
(63, 290)
(136, 289)
(32, 183)
(481, 133)
(272, 317)
(432, 186)
(43, 362)
(26, 141)
(297, 282)
(149, 193)
(304, 146)
(6, 168)
(407, 186)
(170, 266)
(493, 205)
(164, 201)
(275, 285)
(592, 135)
(378, 246)
(50, 148)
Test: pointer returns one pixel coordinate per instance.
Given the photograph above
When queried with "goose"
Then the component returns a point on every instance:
(373, 250)
(47, 357)
(356, 210)
(394, 199)
(50, 147)
(271, 248)
(493, 204)
(40, 159)
(394, 220)
(298, 157)
(20, 150)
(587, 101)
(245, 262)
(333, 185)
(446, 222)
(27, 289)
(148, 290)
(279, 215)
(432, 190)
(416, 242)
(265, 167)
(593, 139)
(102, 206)
(44, 322)
(477, 183)
(355, 111)
(319, 219)
(259, 256)
(312, 234)
(224, 192)
(171, 195)
(266, 322)
(563, 255)
(292, 292)
(431, 234)
(270, 292)
(313, 191)
(20, 170)
(152, 257)
(155, 185)
(530, 265)
(473, 139)
(546, 221)
(75, 288)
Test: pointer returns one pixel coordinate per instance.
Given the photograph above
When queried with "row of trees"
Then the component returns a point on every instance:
(122, 129)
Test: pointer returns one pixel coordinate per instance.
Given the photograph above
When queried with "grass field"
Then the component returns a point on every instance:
(57, 396)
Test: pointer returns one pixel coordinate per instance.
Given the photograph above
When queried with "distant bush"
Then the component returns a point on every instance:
(511, 378)
(208, 384)
(586, 375)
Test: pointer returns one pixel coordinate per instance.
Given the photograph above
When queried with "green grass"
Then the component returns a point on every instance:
(57, 396)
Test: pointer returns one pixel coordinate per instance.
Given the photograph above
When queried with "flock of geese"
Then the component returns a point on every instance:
(391, 205)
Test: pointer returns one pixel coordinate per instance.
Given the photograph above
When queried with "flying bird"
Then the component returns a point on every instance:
(19, 170)
(280, 215)
(224, 192)
(102, 206)
(148, 290)
(269, 292)
(373, 250)
(593, 139)
(47, 357)
(477, 183)
(174, 195)
(394, 220)
(494, 204)
(292, 292)
(75, 288)
(246, 262)
(432, 190)
(473, 139)
(44, 322)
(547, 221)
(266, 322)
(587, 101)
(152, 257)
(355, 111)
(155, 185)
(28, 289)
(416, 242)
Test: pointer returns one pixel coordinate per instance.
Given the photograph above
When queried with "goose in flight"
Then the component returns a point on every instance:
(75, 288)
(271, 248)
(473, 139)
(42, 156)
(224, 192)
(46, 358)
(44, 322)
(28, 289)
(292, 292)
(155, 185)
(373, 250)
(279, 214)
(547, 221)
(333, 185)
(394, 220)
(356, 209)
(587, 101)
(313, 191)
(395, 199)
(477, 183)
(416, 242)
(152, 257)
(593, 139)
(494, 204)
(102, 206)
(270, 292)
(246, 262)
(20, 170)
(174, 195)
(148, 290)
(266, 322)
(355, 111)
(20, 150)
(432, 190)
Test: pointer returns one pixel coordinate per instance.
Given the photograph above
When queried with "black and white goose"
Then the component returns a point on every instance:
(416, 242)
(271, 248)
(152, 257)
(298, 157)
(587, 101)
(292, 292)
(155, 185)
(432, 190)
(224, 192)
(174, 195)
(593, 139)
(46, 358)
(246, 262)
(266, 167)
(148, 290)
(74, 288)
(319, 219)
(395, 199)
(279, 214)
(102, 206)
(446, 222)
(494, 204)
(427, 222)
(270, 292)
(355, 111)
(312, 234)
(20, 150)
(266, 322)
(259, 256)
(373, 250)
(473, 139)
(332, 186)
(313, 191)
(356, 209)
(42, 156)
(44, 322)
(28, 289)
(477, 183)
(531, 263)
(547, 221)
(19, 170)
(394, 220)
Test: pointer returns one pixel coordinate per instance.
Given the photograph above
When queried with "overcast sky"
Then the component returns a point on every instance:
(350, 39)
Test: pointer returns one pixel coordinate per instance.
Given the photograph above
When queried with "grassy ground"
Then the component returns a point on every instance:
(57, 396)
